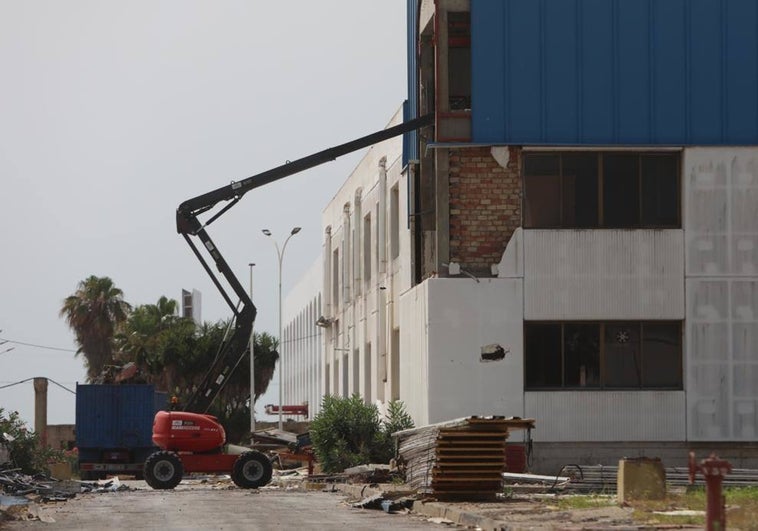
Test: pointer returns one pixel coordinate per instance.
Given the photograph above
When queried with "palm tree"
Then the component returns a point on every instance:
(95, 312)
(140, 338)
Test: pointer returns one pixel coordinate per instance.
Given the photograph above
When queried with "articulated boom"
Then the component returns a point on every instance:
(187, 224)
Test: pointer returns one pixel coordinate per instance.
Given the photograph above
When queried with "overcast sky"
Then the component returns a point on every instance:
(113, 113)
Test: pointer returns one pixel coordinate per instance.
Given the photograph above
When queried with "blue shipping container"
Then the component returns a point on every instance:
(116, 416)
(114, 425)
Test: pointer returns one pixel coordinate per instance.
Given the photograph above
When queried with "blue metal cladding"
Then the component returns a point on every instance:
(410, 107)
(626, 72)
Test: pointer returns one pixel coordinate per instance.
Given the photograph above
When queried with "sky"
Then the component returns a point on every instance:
(112, 113)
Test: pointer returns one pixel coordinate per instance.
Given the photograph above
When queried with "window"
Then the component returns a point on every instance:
(459, 60)
(395, 365)
(356, 370)
(394, 222)
(367, 250)
(335, 281)
(608, 190)
(367, 373)
(609, 355)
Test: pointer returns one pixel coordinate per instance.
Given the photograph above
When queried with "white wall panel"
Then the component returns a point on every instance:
(414, 353)
(464, 316)
(603, 274)
(607, 415)
(721, 227)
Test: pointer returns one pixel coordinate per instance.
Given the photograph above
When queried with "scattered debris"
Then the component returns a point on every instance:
(372, 473)
(680, 512)
(440, 520)
(386, 502)
(21, 494)
(104, 485)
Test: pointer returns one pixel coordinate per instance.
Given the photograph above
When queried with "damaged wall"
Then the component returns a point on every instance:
(444, 376)
(485, 204)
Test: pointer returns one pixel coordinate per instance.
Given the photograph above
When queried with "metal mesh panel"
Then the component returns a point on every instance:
(721, 224)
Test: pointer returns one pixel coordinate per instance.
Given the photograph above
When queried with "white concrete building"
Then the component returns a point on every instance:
(302, 343)
(567, 251)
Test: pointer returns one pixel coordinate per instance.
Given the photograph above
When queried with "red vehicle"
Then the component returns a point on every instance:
(191, 440)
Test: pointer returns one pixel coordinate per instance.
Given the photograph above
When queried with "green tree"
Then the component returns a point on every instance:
(396, 419)
(348, 432)
(95, 312)
(24, 446)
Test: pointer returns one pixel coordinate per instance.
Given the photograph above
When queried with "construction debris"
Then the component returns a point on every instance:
(459, 459)
(386, 502)
(20, 494)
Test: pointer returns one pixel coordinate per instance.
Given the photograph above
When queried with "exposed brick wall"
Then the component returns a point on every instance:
(485, 206)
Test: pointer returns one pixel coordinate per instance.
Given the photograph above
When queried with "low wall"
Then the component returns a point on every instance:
(549, 458)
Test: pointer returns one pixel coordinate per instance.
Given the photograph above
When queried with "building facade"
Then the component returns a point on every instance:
(574, 240)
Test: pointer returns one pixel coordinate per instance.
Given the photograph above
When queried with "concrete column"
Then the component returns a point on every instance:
(40, 409)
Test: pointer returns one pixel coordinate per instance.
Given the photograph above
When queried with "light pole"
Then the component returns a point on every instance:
(252, 360)
(280, 256)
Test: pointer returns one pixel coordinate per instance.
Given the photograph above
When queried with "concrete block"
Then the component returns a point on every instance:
(641, 478)
(60, 470)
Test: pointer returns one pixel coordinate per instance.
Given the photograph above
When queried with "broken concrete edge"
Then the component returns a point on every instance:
(430, 509)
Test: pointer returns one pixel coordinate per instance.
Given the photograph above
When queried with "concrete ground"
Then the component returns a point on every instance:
(291, 502)
(517, 513)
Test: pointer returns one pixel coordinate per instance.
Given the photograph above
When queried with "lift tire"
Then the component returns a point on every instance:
(163, 470)
(252, 470)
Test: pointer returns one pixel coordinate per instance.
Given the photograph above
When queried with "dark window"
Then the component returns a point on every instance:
(623, 363)
(661, 359)
(581, 355)
(543, 342)
(459, 60)
(660, 190)
(580, 197)
(610, 355)
(621, 190)
(596, 189)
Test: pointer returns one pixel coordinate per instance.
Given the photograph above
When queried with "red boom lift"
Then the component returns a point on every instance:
(192, 440)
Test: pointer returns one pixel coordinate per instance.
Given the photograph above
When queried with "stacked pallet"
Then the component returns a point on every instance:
(463, 458)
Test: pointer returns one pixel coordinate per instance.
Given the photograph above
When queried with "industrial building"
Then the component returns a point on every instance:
(575, 240)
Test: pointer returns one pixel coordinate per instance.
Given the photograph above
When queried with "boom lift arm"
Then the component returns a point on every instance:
(188, 224)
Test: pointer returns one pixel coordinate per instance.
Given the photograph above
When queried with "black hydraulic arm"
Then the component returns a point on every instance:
(236, 346)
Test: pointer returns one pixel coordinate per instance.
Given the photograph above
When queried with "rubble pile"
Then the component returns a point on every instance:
(22, 494)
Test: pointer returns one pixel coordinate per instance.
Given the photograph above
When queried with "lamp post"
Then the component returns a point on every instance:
(280, 256)
(252, 360)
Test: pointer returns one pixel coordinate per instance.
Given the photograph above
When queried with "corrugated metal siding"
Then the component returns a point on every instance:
(607, 415)
(603, 274)
(410, 107)
(116, 416)
(677, 72)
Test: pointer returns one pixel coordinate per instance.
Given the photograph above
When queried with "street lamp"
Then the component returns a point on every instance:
(280, 256)
(252, 360)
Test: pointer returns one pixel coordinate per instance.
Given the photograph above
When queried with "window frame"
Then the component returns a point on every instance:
(604, 384)
(601, 222)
